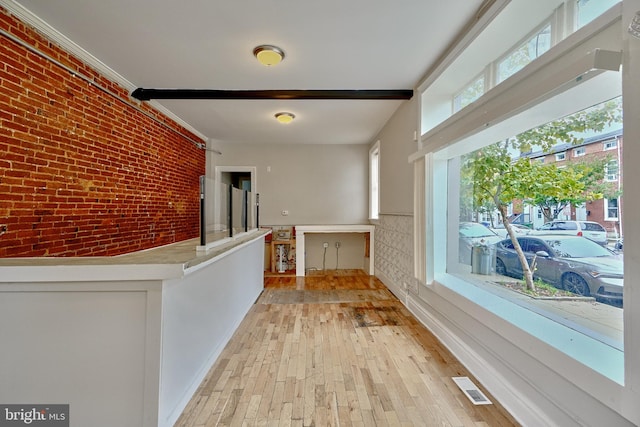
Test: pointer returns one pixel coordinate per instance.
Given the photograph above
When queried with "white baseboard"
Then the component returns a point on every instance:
(485, 371)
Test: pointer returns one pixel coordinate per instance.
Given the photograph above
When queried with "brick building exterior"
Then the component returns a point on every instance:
(607, 212)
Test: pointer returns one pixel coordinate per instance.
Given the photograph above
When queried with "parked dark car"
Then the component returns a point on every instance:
(501, 230)
(472, 234)
(572, 263)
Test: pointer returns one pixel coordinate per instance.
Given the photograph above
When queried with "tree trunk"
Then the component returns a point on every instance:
(527, 273)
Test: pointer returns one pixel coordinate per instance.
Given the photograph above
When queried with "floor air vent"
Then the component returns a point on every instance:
(471, 391)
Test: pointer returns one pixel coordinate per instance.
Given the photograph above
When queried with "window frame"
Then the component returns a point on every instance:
(374, 182)
(612, 177)
(482, 76)
(475, 323)
(607, 209)
(440, 146)
(549, 22)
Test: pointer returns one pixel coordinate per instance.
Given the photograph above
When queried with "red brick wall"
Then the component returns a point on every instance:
(82, 173)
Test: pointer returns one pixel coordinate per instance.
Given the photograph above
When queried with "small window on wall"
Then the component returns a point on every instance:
(580, 151)
(610, 145)
(561, 156)
(588, 10)
(374, 181)
(530, 49)
(469, 94)
(611, 209)
(611, 171)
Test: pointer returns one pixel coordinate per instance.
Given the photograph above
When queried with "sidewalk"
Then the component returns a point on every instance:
(600, 321)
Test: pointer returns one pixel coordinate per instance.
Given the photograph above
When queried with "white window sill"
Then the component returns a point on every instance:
(600, 357)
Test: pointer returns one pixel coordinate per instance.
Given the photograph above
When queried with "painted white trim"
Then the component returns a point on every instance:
(374, 154)
(510, 397)
(152, 356)
(251, 169)
(420, 221)
(219, 170)
(537, 82)
(539, 395)
(355, 228)
(468, 35)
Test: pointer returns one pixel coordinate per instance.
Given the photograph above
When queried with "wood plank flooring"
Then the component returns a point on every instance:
(334, 349)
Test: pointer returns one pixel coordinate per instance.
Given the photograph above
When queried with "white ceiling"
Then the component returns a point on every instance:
(208, 44)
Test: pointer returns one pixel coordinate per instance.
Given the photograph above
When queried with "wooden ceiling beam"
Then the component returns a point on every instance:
(143, 94)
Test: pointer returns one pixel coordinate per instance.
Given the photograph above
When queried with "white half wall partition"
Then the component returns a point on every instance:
(125, 340)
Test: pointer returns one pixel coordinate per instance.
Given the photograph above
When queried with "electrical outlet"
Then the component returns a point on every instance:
(325, 245)
(337, 245)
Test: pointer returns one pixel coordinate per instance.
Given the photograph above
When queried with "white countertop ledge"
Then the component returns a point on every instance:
(166, 262)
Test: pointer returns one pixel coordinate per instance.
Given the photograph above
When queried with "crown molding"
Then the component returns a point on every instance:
(29, 18)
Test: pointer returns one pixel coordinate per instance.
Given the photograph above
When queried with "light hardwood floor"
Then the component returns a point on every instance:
(334, 349)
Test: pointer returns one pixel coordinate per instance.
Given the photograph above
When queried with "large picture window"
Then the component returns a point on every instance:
(593, 350)
(499, 186)
(507, 155)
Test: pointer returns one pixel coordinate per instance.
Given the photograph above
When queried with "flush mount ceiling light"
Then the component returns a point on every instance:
(285, 117)
(268, 55)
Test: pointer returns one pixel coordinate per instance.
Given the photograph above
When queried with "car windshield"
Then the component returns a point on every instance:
(475, 230)
(577, 248)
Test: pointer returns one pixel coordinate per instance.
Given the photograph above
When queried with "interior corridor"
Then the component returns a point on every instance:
(335, 348)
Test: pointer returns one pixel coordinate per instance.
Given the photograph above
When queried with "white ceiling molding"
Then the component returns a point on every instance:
(74, 49)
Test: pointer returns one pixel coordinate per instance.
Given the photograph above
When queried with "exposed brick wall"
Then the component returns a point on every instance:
(82, 173)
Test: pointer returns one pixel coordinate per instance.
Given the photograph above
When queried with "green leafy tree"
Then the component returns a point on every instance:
(497, 178)
(582, 182)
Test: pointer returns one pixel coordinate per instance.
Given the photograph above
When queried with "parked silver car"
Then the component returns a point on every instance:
(589, 229)
(572, 263)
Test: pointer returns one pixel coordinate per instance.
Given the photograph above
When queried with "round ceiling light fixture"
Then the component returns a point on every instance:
(285, 117)
(268, 55)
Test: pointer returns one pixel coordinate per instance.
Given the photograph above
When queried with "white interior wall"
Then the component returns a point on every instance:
(398, 139)
(350, 255)
(316, 184)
